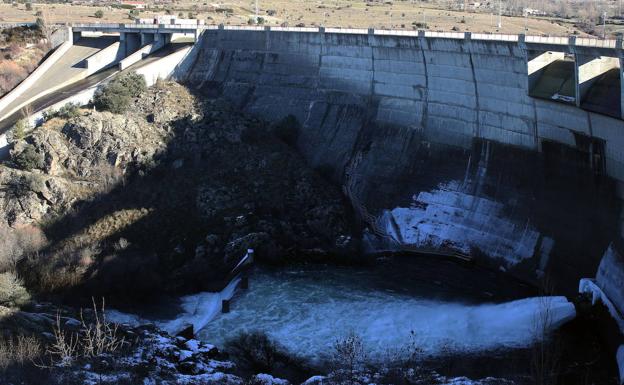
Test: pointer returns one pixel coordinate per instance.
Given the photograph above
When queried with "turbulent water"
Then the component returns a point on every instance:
(438, 306)
(308, 310)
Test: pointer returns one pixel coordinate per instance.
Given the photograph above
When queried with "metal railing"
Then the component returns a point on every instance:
(585, 42)
(494, 37)
(445, 35)
(352, 31)
(547, 40)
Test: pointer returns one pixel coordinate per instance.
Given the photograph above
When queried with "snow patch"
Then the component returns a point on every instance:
(192, 345)
(267, 379)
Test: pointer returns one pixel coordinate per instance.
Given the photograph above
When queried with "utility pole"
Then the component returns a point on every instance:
(500, 13)
(257, 15)
(604, 25)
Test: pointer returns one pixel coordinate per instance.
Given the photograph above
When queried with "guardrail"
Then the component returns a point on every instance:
(528, 39)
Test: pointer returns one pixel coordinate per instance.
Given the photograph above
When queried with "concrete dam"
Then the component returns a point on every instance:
(436, 139)
(504, 148)
(499, 150)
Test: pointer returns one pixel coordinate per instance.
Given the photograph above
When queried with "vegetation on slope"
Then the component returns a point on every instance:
(21, 49)
(166, 198)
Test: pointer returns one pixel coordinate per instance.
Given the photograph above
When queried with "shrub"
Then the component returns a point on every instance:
(29, 159)
(29, 6)
(12, 290)
(117, 95)
(255, 351)
(287, 129)
(68, 111)
(18, 243)
(99, 14)
(40, 22)
(19, 129)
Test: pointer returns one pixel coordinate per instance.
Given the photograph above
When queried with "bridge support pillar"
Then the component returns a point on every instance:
(588, 69)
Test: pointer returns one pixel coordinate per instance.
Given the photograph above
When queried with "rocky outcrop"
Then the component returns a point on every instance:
(169, 197)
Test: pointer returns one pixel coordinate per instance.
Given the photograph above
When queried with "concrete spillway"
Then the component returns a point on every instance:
(436, 139)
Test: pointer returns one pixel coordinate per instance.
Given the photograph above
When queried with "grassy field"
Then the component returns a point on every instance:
(343, 13)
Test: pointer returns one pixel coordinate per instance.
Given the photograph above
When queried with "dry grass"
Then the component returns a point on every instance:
(345, 13)
(18, 350)
(95, 338)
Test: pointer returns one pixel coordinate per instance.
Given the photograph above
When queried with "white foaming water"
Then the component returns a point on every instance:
(198, 310)
(307, 312)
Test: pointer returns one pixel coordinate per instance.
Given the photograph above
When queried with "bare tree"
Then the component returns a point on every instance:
(546, 350)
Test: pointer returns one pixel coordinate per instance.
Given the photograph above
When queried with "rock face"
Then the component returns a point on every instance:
(434, 141)
(169, 196)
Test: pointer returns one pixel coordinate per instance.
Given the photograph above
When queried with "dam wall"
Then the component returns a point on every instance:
(434, 139)
(451, 89)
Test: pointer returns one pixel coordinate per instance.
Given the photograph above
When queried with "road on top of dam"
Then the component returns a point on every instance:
(102, 76)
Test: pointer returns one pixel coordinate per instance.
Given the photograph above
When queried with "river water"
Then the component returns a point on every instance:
(441, 307)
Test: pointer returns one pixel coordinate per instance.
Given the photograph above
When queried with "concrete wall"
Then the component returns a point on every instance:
(452, 90)
(105, 58)
(163, 68)
(60, 35)
(140, 54)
